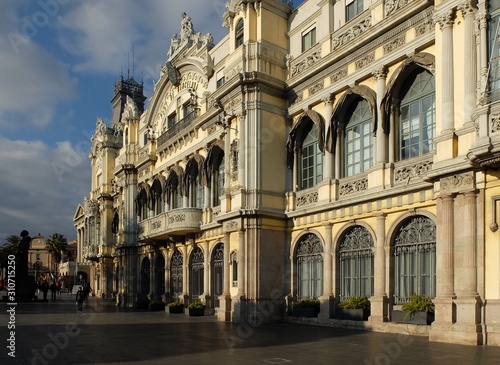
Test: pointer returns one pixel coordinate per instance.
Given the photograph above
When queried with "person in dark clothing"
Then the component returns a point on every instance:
(79, 299)
(44, 287)
(86, 291)
(53, 290)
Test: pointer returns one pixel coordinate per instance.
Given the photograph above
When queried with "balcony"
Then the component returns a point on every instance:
(90, 252)
(176, 222)
(176, 128)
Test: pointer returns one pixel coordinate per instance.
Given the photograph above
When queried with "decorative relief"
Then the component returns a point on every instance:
(365, 61)
(405, 172)
(234, 71)
(305, 63)
(176, 218)
(353, 187)
(316, 88)
(495, 123)
(231, 226)
(234, 160)
(395, 44)
(457, 183)
(155, 225)
(339, 75)
(307, 199)
(424, 27)
(393, 5)
(351, 33)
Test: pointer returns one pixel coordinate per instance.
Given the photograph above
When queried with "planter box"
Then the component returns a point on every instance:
(155, 307)
(304, 312)
(176, 309)
(424, 318)
(196, 312)
(352, 314)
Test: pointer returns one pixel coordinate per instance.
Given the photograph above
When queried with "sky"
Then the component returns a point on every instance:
(59, 61)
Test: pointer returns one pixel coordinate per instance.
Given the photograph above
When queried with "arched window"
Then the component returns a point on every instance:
(239, 33)
(415, 259)
(220, 181)
(311, 160)
(198, 197)
(218, 273)
(356, 263)
(197, 270)
(193, 181)
(234, 264)
(358, 151)
(160, 274)
(145, 273)
(309, 264)
(173, 187)
(157, 197)
(176, 274)
(142, 204)
(417, 115)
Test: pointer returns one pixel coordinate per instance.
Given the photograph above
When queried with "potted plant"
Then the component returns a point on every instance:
(196, 309)
(419, 310)
(355, 308)
(307, 307)
(142, 302)
(157, 305)
(175, 307)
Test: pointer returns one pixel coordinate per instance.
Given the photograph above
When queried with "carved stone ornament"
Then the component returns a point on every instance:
(417, 170)
(231, 226)
(455, 183)
(393, 5)
(355, 31)
(354, 187)
(495, 123)
(173, 74)
(90, 207)
(305, 63)
(130, 111)
(307, 199)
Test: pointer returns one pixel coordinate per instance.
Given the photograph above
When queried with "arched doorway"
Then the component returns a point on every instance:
(217, 273)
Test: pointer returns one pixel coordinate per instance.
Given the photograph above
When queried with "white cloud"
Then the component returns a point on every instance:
(41, 187)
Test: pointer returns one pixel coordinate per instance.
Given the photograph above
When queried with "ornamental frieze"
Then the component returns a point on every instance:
(365, 61)
(424, 27)
(392, 6)
(394, 44)
(305, 63)
(307, 199)
(176, 218)
(495, 122)
(355, 31)
(316, 88)
(455, 183)
(338, 75)
(155, 225)
(231, 226)
(417, 170)
(354, 187)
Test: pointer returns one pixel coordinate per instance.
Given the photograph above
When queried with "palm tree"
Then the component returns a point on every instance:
(56, 245)
(8, 248)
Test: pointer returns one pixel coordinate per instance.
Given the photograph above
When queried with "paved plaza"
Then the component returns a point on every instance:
(53, 333)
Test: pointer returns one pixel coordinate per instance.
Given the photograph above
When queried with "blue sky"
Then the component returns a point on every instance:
(59, 60)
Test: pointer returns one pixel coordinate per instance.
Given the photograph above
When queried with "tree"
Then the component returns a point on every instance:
(56, 246)
(8, 248)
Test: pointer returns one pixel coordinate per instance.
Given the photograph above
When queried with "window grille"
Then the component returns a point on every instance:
(309, 261)
(176, 273)
(356, 263)
(415, 259)
(197, 271)
(218, 273)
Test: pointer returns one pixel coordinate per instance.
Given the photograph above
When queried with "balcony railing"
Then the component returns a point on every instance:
(175, 222)
(176, 128)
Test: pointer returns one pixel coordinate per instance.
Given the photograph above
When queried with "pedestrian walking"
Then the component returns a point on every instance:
(53, 290)
(79, 300)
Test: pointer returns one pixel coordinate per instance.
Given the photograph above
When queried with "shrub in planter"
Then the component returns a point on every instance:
(419, 310)
(157, 306)
(305, 308)
(175, 307)
(356, 308)
(196, 309)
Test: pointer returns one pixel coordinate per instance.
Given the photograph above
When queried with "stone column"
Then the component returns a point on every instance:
(326, 300)
(338, 163)
(392, 135)
(185, 266)
(470, 81)
(447, 72)
(445, 312)
(206, 270)
(224, 314)
(381, 138)
(242, 151)
(152, 274)
(241, 264)
(328, 163)
(295, 172)
(379, 301)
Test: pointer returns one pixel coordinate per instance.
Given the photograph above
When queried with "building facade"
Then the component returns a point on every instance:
(340, 149)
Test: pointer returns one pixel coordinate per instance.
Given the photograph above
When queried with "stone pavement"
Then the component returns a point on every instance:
(53, 333)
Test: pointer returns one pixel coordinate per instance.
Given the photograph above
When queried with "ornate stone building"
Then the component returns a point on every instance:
(340, 149)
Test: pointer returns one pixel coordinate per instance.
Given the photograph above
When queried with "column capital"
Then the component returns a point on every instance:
(328, 99)
(445, 20)
(468, 7)
(380, 73)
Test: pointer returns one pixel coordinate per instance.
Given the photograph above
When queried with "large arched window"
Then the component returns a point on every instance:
(311, 160)
(173, 187)
(415, 259)
(239, 33)
(494, 50)
(309, 264)
(196, 276)
(157, 197)
(218, 273)
(417, 115)
(193, 181)
(145, 274)
(160, 274)
(356, 263)
(358, 150)
(176, 274)
(142, 204)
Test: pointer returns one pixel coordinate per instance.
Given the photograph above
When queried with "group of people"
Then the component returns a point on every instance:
(54, 288)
